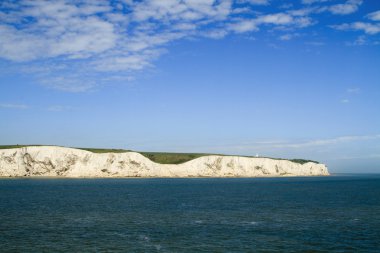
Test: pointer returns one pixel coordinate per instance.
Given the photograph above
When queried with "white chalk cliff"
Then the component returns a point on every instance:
(49, 161)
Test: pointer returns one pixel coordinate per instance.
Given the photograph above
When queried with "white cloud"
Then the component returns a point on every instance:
(279, 20)
(360, 41)
(19, 46)
(314, 1)
(256, 2)
(367, 156)
(67, 83)
(88, 37)
(14, 106)
(181, 10)
(375, 16)
(215, 33)
(368, 28)
(318, 6)
(348, 7)
(289, 36)
(345, 101)
(123, 63)
(244, 26)
(302, 11)
(276, 19)
(289, 19)
(286, 37)
(290, 145)
(323, 142)
(58, 29)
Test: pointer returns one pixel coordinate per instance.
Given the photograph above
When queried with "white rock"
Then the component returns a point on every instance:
(50, 161)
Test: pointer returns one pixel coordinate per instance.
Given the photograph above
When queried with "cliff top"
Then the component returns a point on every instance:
(159, 157)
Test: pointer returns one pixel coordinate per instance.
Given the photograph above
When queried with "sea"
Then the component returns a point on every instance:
(338, 213)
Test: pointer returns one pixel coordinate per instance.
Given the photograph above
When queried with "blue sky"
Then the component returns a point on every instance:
(292, 79)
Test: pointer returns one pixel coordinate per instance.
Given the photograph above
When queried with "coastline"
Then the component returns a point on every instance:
(50, 161)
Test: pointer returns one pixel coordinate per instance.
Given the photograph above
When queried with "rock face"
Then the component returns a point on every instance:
(47, 161)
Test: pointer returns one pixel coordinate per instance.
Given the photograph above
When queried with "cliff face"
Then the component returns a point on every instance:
(68, 162)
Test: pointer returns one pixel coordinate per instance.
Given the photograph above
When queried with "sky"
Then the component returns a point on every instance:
(290, 79)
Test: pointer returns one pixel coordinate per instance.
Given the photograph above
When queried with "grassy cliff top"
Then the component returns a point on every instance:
(158, 157)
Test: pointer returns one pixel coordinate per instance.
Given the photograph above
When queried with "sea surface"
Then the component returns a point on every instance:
(339, 213)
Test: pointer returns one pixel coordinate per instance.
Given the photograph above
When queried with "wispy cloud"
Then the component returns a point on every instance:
(14, 106)
(349, 94)
(243, 26)
(368, 28)
(314, 1)
(355, 157)
(359, 41)
(289, 36)
(60, 28)
(337, 140)
(375, 16)
(293, 145)
(309, 143)
(86, 38)
(256, 2)
(348, 7)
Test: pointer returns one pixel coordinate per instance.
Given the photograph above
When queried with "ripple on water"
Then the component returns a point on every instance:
(225, 215)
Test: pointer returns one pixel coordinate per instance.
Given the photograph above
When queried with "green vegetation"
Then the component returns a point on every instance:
(171, 158)
(17, 146)
(302, 161)
(102, 150)
(158, 157)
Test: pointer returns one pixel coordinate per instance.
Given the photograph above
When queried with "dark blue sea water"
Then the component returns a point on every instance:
(317, 214)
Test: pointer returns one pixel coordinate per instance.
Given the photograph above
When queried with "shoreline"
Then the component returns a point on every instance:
(259, 177)
(60, 162)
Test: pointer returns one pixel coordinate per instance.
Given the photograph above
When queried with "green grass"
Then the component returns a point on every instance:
(171, 158)
(102, 150)
(158, 157)
(17, 146)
